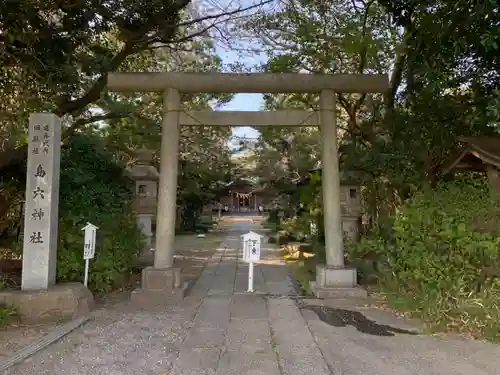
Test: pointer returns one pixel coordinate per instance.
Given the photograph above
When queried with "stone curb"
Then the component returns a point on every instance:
(45, 341)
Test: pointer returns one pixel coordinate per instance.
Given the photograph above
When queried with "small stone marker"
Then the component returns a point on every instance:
(88, 248)
(41, 214)
(251, 254)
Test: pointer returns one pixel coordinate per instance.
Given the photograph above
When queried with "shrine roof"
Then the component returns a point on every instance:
(252, 184)
(475, 154)
(245, 181)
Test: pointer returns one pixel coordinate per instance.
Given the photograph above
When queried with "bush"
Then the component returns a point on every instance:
(93, 188)
(368, 256)
(446, 258)
(273, 216)
(7, 314)
(298, 228)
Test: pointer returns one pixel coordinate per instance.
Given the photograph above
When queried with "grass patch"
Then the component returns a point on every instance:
(301, 259)
(473, 316)
(477, 318)
(297, 257)
(303, 270)
(7, 315)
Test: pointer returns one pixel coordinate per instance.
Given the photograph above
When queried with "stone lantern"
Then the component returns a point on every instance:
(351, 209)
(146, 177)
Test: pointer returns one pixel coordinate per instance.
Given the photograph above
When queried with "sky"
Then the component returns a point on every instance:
(242, 102)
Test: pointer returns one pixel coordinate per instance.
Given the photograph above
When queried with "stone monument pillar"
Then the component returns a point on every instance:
(41, 215)
(40, 297)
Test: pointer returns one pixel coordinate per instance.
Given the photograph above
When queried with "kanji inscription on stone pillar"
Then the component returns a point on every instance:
(42, 202)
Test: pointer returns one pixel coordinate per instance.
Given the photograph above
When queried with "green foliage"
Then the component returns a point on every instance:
(94, 189)
(298, 228)
(273, 217)
(304, 269)
(89, 40)
(443, 59)
(366, 248)
(461, 30)
(443, 86)
(317, 248)
(204, 165)
(454, 226)
(369, 257)
(303, 272)
(444, 265)
(7, 314)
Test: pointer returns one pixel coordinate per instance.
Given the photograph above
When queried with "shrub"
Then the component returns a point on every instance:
(298, 228)
(367, 255)
(93, 188)
(7, 314)
(446, 257)
(273, 216)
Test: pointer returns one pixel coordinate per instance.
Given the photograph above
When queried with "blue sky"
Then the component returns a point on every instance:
(242, 102)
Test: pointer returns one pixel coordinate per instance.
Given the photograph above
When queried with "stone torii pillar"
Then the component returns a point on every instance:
(330, 179)
(332, 279)
(167, 191)
(163, 282)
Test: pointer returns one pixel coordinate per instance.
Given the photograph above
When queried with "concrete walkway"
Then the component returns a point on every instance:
(219, 329)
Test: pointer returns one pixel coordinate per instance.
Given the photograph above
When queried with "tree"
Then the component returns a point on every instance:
(94, 188)
(326, 37)
(438, 90)
(87, 41)
(57, 55)
(204, 153)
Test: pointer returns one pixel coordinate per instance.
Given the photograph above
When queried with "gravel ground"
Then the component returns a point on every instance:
(192, 254)
(16, 336)
(121, 340)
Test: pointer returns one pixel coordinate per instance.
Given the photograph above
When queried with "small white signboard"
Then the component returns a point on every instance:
(251, 247)
(251, 254)
(88, 247)
(89, 241)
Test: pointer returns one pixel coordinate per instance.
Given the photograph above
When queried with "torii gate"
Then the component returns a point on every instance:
(333, 279)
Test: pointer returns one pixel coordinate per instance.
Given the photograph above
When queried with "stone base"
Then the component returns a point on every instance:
(160, 286)
(332, 292)
(335, 282)
(328, 276)
(69, 300)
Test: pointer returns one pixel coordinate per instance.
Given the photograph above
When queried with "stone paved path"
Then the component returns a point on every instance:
(219, 329)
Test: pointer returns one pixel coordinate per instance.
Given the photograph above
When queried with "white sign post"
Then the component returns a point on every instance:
(88, 248)
(251, 254)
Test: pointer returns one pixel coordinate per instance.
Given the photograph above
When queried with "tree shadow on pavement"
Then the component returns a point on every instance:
(342, 318)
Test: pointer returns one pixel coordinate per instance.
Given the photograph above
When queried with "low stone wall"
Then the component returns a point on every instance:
(61, 301)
